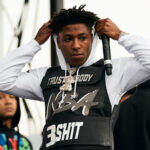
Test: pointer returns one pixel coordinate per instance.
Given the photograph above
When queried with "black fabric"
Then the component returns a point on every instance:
(16, 118)
(50, 85)
(79, 147)
(132, 130)
(99, 129)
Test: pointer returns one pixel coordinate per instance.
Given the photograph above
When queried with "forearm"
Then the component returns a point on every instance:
(139, 47)
(12, 65)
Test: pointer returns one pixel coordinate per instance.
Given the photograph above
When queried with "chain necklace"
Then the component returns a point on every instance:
(68, 80)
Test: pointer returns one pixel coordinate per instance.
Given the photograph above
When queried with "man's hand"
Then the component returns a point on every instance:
(44, 33)
(106, 26)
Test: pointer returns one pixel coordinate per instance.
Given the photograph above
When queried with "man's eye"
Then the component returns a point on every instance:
(67, 40)
(83, 38)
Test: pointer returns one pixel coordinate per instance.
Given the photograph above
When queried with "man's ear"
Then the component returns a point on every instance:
(58, 42)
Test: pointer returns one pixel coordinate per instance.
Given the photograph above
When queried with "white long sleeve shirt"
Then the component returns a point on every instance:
(126, 73)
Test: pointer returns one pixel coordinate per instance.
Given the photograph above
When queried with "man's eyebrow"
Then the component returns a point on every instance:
(80, 34)
(67, 35)
(83, 34)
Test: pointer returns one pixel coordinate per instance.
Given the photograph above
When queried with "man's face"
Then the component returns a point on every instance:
(75, 42)
(8, 106)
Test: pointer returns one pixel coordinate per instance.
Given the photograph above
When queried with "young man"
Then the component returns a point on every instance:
(79, 96)
(11, 139)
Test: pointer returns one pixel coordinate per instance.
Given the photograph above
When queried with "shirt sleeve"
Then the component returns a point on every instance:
(129, 72)
(22, 84)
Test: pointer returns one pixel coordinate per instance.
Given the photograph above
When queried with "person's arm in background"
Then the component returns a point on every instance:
(24, 84)
(126, 72)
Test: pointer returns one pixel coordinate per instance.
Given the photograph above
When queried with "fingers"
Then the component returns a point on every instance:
(101, 26)
(50, 21)
(47, 24)
(44, 33)
(108, 27)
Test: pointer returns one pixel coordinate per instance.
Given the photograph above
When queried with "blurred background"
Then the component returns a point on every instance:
(21, 19)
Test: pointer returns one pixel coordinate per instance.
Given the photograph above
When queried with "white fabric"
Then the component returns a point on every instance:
(126, 73)
(108, 61)
(61, 59)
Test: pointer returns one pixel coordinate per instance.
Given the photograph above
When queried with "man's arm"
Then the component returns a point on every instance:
(126, 72)
(134, 70)
(22, 84)
(130, 71)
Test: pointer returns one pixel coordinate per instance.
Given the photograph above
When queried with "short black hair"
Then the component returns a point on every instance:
(16, 117)
(73, 16)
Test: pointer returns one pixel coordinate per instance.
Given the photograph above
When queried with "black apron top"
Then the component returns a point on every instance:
(83, 122)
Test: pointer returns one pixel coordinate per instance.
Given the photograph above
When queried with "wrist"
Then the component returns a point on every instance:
(122, 34)
(38, 41)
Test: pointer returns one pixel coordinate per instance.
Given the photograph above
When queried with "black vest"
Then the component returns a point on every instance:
(83, 122)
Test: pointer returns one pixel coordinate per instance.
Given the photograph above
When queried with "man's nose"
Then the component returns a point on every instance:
(76, 44)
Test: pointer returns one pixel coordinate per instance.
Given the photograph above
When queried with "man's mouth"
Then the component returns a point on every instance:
(77, 56)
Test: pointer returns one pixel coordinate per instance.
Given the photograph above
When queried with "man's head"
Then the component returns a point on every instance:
(73, 28)
(9, 108)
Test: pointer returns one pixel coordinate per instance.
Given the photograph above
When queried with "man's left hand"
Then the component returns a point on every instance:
(107, 27)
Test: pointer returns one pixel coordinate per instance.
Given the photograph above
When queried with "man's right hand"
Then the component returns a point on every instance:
(44, 33)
